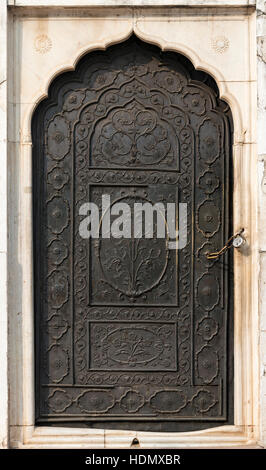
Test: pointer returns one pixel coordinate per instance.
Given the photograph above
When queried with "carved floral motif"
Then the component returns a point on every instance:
(139, 346)
(204, 401)
(42, 43)
(220, 44)
(132, 401)
(57, 214)
(58, 178)
(137, 121)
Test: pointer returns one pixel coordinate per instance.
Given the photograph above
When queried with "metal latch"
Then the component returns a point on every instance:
(237, 240)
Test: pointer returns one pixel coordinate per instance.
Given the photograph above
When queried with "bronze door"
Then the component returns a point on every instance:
(129, 333)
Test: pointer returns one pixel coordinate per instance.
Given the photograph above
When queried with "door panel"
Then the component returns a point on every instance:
(129, 333)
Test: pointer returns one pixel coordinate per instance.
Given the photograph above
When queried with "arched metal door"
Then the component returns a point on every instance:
(129, 333)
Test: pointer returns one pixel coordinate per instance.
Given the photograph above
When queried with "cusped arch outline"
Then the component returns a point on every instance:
(179, 48)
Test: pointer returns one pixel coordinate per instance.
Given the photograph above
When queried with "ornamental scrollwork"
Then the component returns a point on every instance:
(129, 328)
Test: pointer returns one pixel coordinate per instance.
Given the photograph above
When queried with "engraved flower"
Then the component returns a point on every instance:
(132, 401)
(118, 145)
(209, 182)
(127, 91)
(195, 102)
(58, 137)
(115, 264)
(131, 348)
(42, 43)
(100, 109)
(204, 401)
(220, 44)
(59, 401)
(207, 364)
(82, 130)
(87, 117)
(169, 112)
(57, 327)
(170, 81)
(56, 363)
(207, 328)
(57, 252)
(111, 98)
(57, 287)
(96, 379)
(58, 178)
(140, 91)
(100, 78)
(180, 120)
(132, 69)
(74, 100)
(58, 214)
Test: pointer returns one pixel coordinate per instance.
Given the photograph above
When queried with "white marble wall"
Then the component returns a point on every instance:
(3, 228)
(240, 86)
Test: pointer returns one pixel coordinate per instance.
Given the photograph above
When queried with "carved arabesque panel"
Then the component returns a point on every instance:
(130, 333)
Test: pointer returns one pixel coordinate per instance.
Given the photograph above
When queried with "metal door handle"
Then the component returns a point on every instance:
(236, 241)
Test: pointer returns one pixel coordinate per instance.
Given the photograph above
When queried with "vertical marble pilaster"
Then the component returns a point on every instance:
(3, 228)
(261, 68)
